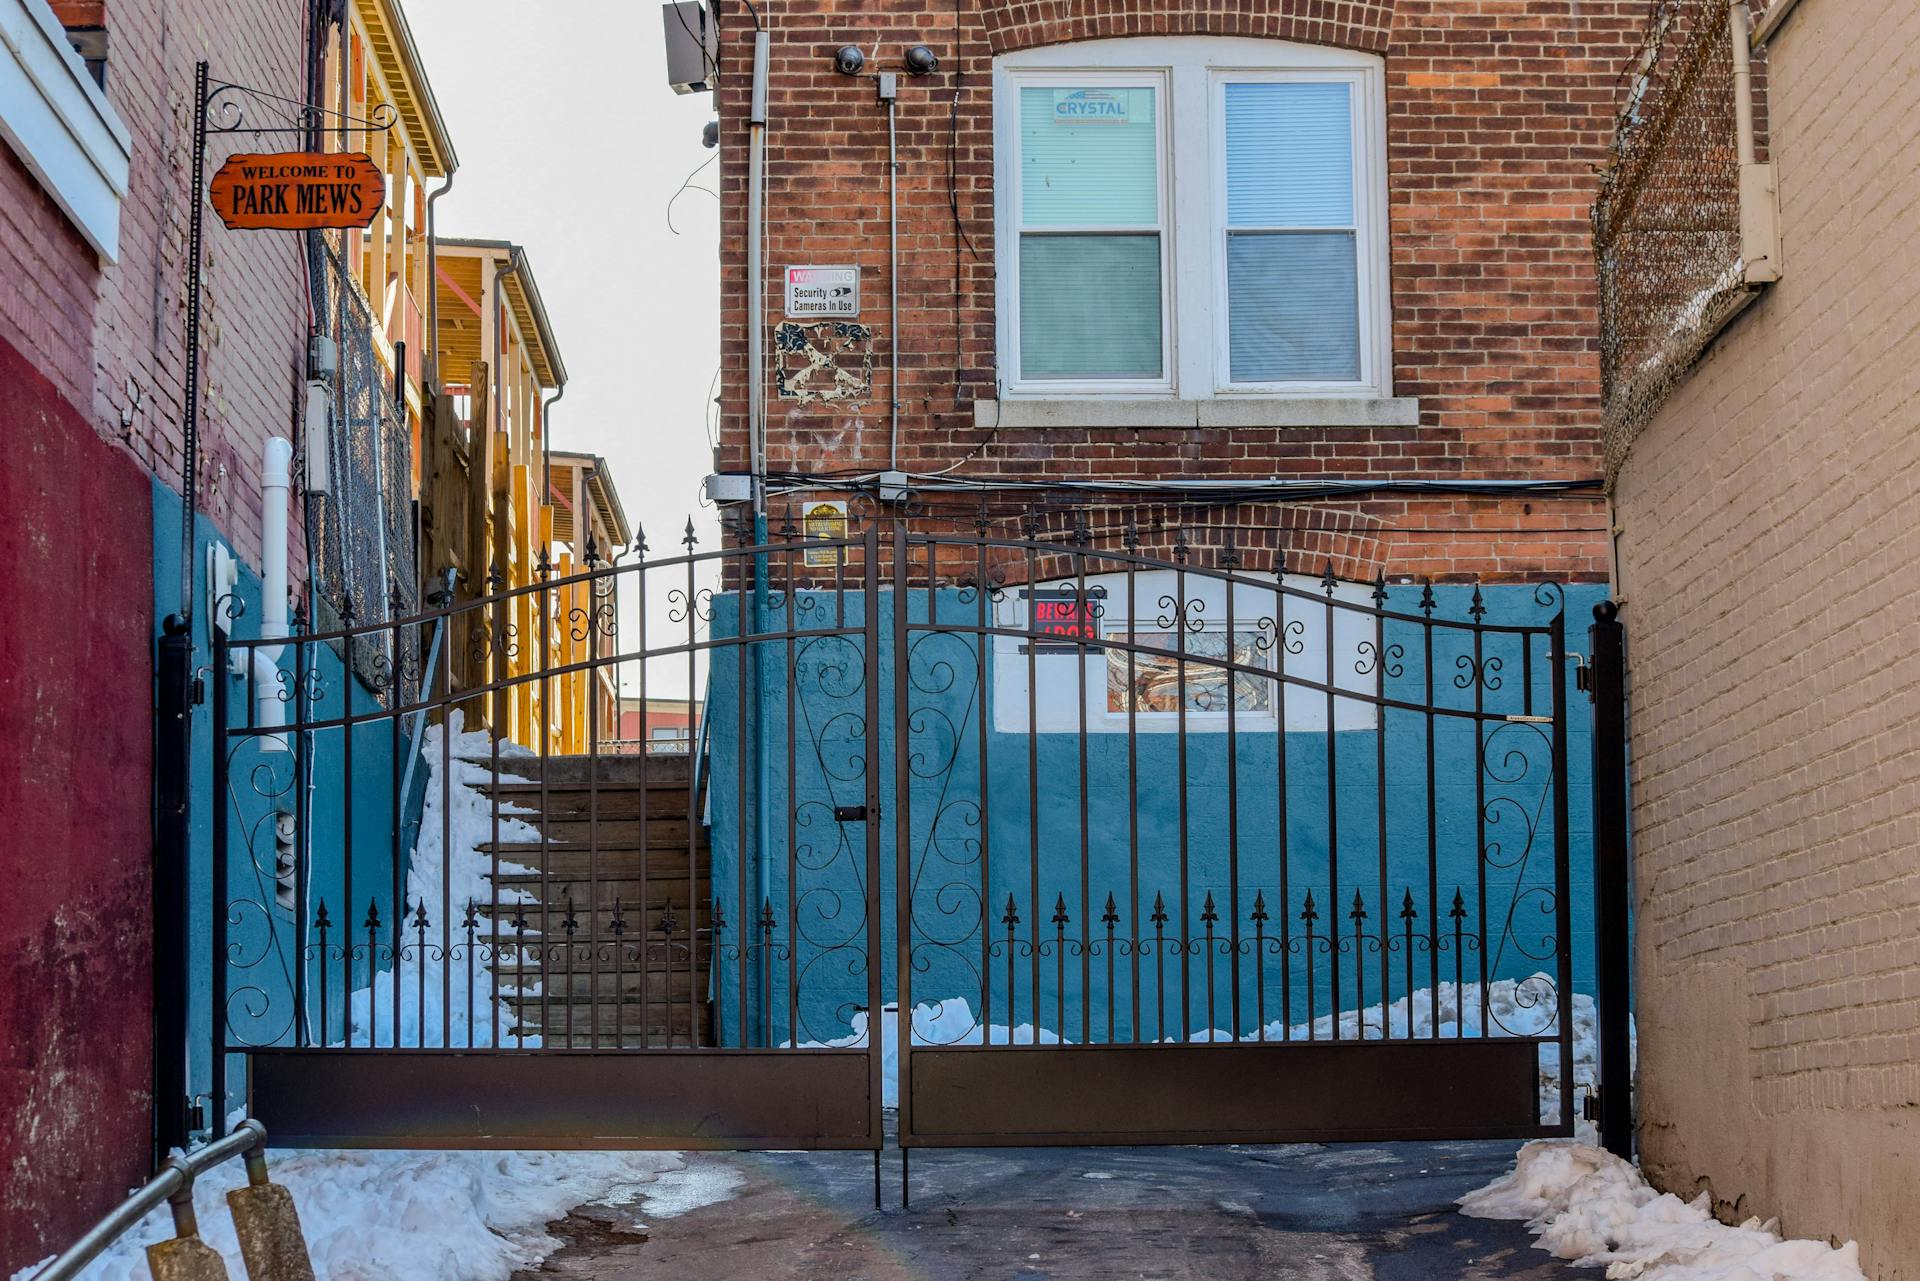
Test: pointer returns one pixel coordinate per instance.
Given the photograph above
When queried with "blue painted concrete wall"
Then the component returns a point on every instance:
(815, 976)
(261, 936)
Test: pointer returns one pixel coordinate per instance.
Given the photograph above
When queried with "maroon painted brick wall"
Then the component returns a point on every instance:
(75, 831)
(1498, 112)
(92, 363)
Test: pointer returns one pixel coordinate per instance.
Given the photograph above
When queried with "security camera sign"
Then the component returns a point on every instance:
(823, 292)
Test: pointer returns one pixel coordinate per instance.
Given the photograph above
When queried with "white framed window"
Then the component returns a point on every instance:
(1089, 209)
(1149, 608)
(1218, 202)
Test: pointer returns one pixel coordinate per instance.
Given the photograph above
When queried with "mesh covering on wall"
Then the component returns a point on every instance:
(1667, 222)
(363, 527)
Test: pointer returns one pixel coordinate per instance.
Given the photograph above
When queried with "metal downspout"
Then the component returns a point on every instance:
(433, 288)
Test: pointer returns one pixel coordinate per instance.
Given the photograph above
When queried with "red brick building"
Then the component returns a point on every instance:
(1422, 311)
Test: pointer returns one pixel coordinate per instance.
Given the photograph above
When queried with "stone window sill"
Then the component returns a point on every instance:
(1224, 412)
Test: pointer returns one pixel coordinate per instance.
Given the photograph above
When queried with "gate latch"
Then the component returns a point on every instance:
(849, 813)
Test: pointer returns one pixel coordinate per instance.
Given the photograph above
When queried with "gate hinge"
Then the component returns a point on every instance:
(198, 691)
(852, 813)
(1590, 1106)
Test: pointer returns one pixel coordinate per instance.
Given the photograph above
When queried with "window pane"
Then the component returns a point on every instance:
(1090, 306)
(1293, 307)
(1088, 157)
(1156, 679)
(1289, 155)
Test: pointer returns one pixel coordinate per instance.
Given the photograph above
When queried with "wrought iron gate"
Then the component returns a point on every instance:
(1214, 856)
(1062, 841)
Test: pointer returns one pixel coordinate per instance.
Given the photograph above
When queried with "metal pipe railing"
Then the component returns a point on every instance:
(173, 1186)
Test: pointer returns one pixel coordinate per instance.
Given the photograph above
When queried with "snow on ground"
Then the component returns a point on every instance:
(1590, 1206)
(1522, 1007)
(434, 1216)
(424, 1216)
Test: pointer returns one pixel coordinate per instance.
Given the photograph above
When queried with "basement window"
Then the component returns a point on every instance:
(1191, 217)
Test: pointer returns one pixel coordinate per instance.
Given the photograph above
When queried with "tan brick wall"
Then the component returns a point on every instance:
(1770, 523)
(1498, 112)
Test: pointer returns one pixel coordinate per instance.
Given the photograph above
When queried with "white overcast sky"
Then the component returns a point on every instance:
(571, 144)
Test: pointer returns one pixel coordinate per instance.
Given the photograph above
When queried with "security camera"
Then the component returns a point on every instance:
(710, 134)
(848, 60)
(921, 60)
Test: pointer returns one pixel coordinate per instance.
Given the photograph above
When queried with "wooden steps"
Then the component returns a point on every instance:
(600, 826)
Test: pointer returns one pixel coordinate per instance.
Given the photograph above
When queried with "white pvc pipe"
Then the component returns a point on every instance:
(276, 486)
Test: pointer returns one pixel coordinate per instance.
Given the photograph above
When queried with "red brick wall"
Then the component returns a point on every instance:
(254, 321)
(46, 309)
(1498, 111)
(112, 337)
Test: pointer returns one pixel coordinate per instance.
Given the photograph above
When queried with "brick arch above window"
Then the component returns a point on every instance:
(1349, 24)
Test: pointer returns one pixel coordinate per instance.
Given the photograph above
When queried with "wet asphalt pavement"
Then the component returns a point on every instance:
(1349, 1211)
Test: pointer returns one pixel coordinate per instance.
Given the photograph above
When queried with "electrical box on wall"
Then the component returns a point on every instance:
(693, 47)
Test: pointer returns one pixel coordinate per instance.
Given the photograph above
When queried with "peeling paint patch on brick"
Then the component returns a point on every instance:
(831, 360)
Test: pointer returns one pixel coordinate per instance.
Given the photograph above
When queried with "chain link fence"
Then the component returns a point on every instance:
(363, 534)
(1667, 224)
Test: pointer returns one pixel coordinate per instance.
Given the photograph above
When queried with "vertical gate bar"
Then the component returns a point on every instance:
(1033, 782)
(1433, 829)
(1133, 777)
(347, 682)
(640, 920)
(1180, 663)
(542, 603)
(1333, 827)
(1480, 806)
(591, 679)
(793, 866)
(618, 923)
(876, 993)
(1085, 611)
(222, 745)
(1232, 674)
(1280, 790)
(496, 671)
(748, 912)
(903, 834)
(643, 970)
(1359, 915)
(981, 641)
(1562, 859)
(447, 642)
(1606, 639)
(1380, 804)
(693, 810)
(395, 697)
(301, 762)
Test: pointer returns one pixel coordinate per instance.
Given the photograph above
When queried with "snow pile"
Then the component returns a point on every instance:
(1590, 1206)
(1515, 1007)
(417, 1216)
(944, 1023)
(454, 873)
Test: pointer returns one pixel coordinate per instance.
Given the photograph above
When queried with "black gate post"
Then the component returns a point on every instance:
(1612, 928)
(173, 723)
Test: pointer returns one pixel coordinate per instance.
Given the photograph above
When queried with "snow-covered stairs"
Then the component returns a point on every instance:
(615, 913)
